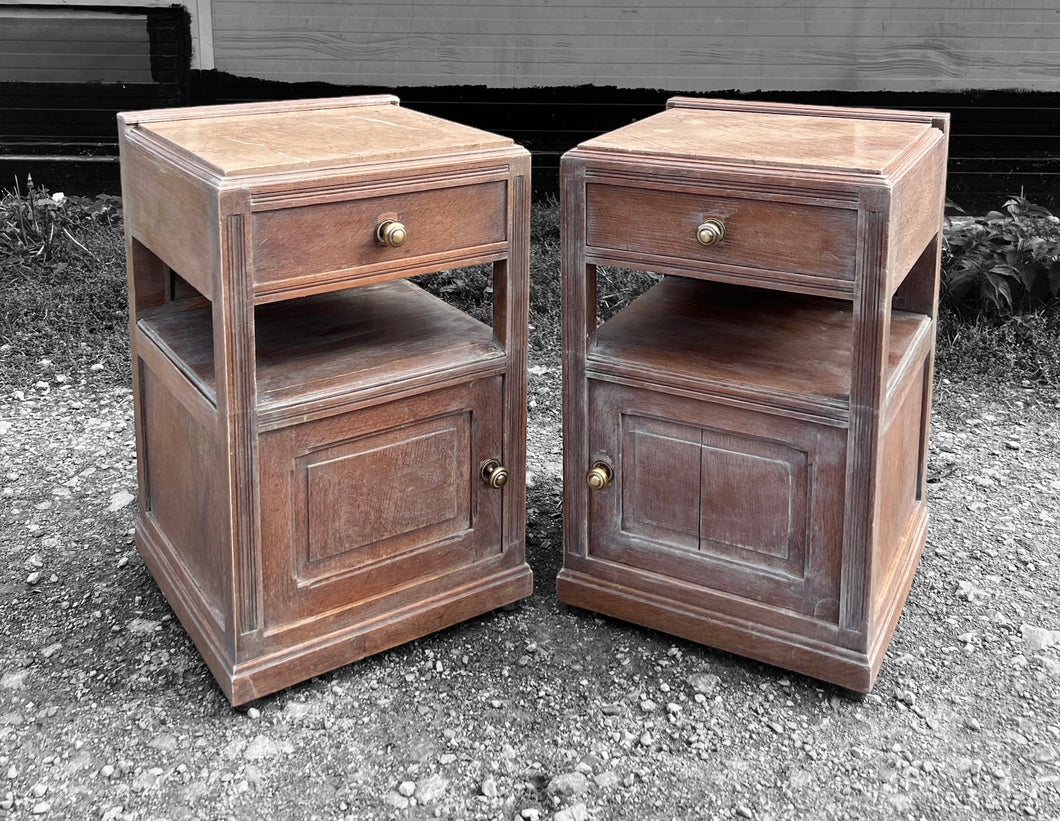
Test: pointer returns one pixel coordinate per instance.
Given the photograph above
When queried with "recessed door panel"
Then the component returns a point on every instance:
(753, 505)
(660, 499)
(736, 501)
(378, 495)
(363, 504)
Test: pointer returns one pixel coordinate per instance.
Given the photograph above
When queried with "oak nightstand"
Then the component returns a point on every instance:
(331, 460)
(745, 443)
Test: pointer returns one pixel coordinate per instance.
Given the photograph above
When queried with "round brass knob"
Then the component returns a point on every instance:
(391, 233)
(711, 232)
(494, 473)
(599, 475)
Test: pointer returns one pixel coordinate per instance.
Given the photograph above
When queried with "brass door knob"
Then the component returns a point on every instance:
(711, 232)
(599, 475)
(391, 233)
(493, 473)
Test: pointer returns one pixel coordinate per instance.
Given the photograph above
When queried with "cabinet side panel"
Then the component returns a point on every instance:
(184, 488)
(916, 210)
(172, 213)
(900, 484)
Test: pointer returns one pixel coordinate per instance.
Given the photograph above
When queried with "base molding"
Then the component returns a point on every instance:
(847, 668)
(257, 678)
(271, 671)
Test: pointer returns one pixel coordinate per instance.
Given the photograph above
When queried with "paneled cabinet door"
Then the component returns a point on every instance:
(360, 505)
(733, 500)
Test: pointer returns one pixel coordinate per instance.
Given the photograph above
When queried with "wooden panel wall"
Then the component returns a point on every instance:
(754, 45)
(73, 46)
(65, 73)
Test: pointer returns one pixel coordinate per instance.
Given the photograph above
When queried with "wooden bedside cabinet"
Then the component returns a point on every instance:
(745, 444)
(331, 460)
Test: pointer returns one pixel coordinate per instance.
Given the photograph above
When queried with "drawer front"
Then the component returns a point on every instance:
(358, 506)
(776, 239)
(339, 238)
(729, 500)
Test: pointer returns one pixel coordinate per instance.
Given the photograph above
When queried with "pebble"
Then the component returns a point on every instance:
(254, 713)
(531, 814)
(575, 812)
(648, 706)
(261, 747)
(142, 627)
(611, 709)
(488, 788)
(107, 770)
(1036, 639)
(973, 725)
(41, 808)
(744, 812)
(408, 788)
(431, 788)
(572, 783)
(396, 800)
(646, 739)
(606, 779)
(33, 577)
(119, 500)
(705, 683)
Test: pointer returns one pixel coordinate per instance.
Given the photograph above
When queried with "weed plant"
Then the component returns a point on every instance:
(62, 283)
(1004, 264)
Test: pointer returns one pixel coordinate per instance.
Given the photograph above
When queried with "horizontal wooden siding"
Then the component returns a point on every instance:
(783, 45)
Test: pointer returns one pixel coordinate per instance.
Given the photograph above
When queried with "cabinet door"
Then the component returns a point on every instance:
(737, 501)
(361, 508)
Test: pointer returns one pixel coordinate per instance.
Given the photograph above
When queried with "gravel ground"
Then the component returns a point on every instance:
(542, 711)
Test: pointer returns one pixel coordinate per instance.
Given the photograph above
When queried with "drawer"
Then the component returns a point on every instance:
(338, 241)
(775, 241)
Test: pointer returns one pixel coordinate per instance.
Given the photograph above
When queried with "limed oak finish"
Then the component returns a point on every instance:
(745, 444)
(331, 460)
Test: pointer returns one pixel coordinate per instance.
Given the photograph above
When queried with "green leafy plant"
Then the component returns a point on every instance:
(1003, 264)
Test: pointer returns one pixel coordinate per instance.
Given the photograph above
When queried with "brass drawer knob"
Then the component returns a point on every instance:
(493, 473)
(599, 475)
(391, 233)
(711, 232)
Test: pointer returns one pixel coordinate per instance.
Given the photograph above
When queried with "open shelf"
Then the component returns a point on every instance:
(334, 344)
(703, 335)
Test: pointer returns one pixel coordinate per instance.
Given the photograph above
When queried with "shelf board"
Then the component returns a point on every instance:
(317, 349)
(775, 348)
